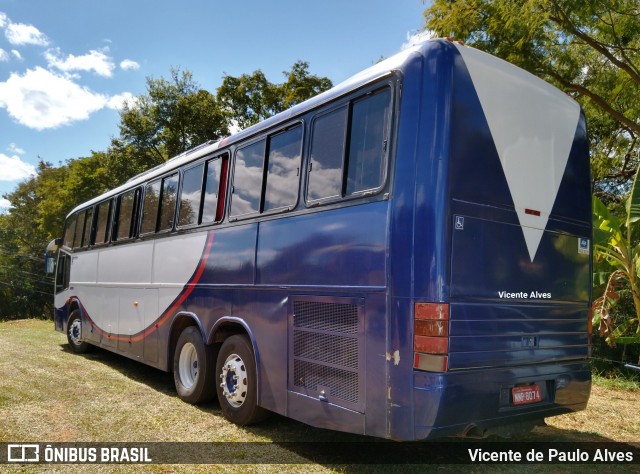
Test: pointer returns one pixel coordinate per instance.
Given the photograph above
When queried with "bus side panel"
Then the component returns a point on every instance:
(328, 264)
(343, 247)
(418, 231)
(233, 255)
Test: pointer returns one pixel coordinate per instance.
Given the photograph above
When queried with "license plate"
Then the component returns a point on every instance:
(526, 394)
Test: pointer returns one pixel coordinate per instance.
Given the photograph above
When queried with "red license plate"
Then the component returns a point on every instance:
(526, 394)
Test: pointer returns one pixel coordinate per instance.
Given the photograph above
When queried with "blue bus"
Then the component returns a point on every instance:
(406, 256)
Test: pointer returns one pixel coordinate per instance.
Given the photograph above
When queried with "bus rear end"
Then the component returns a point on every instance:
(502, 340)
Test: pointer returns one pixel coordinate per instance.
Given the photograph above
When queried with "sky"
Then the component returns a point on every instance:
(67, 66)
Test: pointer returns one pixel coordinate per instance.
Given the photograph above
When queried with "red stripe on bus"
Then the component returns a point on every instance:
(188, 289)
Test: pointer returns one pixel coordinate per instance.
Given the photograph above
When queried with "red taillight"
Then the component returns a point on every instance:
(431, 336)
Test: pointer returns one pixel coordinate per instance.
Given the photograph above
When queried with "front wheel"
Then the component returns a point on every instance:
(74, 333)
(193, 367)
(238, 383)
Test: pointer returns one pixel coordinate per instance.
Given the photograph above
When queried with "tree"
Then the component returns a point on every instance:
(26, 290)
(590, 49)
(249, 99)
(173, 116)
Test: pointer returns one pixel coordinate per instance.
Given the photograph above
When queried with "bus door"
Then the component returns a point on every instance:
(62, 279)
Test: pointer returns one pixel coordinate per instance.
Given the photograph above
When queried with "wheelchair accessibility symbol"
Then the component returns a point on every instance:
(459, 223)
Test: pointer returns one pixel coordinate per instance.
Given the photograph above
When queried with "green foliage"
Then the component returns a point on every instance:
(617, 247)
(173, 116)
(249, 99)
(590, 49)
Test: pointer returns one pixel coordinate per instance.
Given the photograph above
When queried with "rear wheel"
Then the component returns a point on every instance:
(237, 384)
(193, 365)
(74, 333)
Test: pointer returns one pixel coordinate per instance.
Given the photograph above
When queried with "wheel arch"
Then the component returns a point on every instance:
(73, 304)
(232, 325)
(180, 322)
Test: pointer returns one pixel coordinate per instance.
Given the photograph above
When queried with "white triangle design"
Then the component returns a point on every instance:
(533, 125)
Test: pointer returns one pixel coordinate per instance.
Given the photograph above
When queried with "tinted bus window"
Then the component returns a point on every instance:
(368, 142)
(247, 179)
(168, 202)
(211, 190)
(103, 222)
(327, 151)
(125, 215)
(150, 207)
(70, 231)
(63, 272)
(348, 148)
(283, 169)
(86, 240)
(77, 239)
(190, 196)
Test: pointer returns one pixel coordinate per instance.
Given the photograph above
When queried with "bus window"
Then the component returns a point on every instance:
(349, 159)
(211, 191)
(190, 196)
(150, 207)
(327, 149)
(63, 272)
(283, 169)
(126, 214)
(168, 202)
(247, 179)
(88, 220)
(77, 239)
(103, 222)
(70, 231)
(368, 142)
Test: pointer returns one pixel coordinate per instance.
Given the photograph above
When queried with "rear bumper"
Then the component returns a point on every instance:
(454, 403)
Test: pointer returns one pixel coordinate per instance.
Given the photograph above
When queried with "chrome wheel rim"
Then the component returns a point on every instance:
(188, 365)
(75, 330)
(234, 380)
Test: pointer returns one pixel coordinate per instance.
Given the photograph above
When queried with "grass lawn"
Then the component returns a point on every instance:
(48, 394)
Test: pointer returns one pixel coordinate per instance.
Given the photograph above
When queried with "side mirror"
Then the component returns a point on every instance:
(50, 265)
(50, 255)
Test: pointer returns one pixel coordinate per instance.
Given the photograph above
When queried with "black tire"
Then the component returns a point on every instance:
(193, 365)
(237, 382)
(74, 333)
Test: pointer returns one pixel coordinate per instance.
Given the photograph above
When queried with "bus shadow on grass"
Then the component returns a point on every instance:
(154, 378)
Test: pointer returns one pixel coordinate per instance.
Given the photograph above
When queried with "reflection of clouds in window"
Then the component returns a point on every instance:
(124, 220)
(247, 179)
(189, 204)
(327, 150)
(284, 165)
(326, 183)
(365, 163)
(190, 196)
(150, 208)
(168, 208)
(366, 149)
(211, 190)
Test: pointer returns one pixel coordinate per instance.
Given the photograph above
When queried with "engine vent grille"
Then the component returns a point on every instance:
(326, 349)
